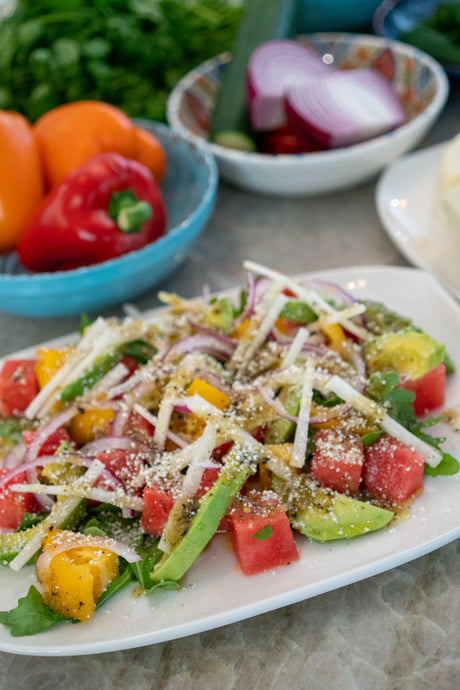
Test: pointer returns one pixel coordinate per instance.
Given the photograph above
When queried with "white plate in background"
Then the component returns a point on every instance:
(405, 199)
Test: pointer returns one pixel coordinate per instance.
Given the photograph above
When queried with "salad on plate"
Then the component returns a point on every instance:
(290, 411)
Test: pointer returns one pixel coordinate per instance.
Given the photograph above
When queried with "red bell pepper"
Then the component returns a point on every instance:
(108, 207)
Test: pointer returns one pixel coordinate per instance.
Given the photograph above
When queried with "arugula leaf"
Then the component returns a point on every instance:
(168, 585)
(448, 465)
(264, 534)
(30, 616)
(371, 437)
(399, 403)
(116, 586)
(151, 554)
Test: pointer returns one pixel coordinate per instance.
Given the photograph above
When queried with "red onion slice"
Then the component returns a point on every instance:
(108, 443)
(203, 342)
(214, 380)
(273, 67)
(343, 107)
(42, 434)
(76, 541)
(15, 456)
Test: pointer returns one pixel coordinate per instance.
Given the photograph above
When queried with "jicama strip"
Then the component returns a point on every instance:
(312, 298)
(371, 409)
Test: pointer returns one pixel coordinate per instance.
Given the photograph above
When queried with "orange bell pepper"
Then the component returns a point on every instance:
(21, 185)
(71, 134)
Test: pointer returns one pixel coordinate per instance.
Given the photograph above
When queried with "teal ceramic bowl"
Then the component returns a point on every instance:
(336, 15)
(189, 188)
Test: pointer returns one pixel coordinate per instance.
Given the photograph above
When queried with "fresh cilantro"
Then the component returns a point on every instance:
(30, 616)
(399, 404)
(382, 387)
(264, 534)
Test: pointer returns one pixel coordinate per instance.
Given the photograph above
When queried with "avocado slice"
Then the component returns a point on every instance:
(326, 515)
(203, 524)
(280, 429)
(409, 352)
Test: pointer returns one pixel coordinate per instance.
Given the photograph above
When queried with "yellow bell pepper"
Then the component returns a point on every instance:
(240, 329)
(48, 362)
(77, 577)
(336, 336)
(209, 393)
(89, 425)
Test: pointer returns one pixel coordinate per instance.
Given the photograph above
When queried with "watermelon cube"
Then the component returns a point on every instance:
(337, 460)
(392, 470)
(158, 501)
(18, 386)
(261, 534)
(51, 444)
(430, 390)
(14, 505)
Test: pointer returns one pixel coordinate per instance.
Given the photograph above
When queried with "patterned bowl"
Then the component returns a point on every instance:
(189, 188)
(419, 80)
(394, 18)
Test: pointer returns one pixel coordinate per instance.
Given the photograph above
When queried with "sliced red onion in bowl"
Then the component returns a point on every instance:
(273, 67)
(343, 107)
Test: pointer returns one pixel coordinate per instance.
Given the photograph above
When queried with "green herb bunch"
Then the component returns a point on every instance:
(128, 53)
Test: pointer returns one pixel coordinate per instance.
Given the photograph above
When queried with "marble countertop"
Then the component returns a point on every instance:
(396, 630)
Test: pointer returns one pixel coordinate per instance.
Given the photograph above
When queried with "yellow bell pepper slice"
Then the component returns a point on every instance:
(48, 362)
(77, 577)
(209, 393)
(336, 336)
(89, 425)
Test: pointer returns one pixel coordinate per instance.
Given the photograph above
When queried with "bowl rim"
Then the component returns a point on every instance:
(299, 159)
(209, 164)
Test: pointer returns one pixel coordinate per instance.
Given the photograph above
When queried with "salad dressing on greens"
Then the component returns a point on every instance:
(292, 408)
